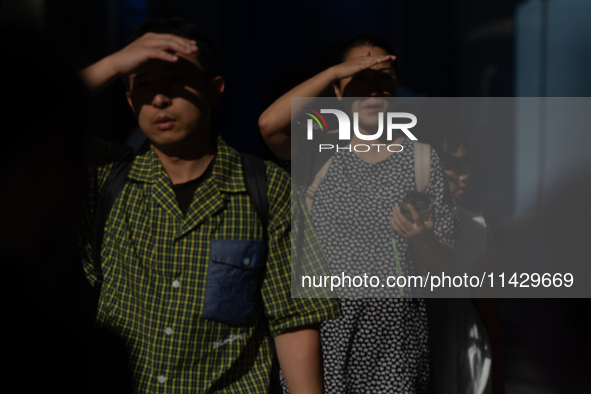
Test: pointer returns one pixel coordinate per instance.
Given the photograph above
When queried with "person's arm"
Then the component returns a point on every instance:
(427, 251)
(293, 321)
(124, 62)
(298, 351)
(275, 121)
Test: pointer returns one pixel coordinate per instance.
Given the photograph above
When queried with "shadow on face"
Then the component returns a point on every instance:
(378, 81)
(183, 79)
(373, 83)
(173, 101)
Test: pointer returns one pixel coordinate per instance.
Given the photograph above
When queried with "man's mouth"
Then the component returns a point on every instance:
(164, 122)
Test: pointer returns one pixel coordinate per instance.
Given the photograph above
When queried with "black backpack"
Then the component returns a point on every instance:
(254, 177)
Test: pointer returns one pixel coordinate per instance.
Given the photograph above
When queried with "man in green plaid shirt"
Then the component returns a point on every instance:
(186, 285)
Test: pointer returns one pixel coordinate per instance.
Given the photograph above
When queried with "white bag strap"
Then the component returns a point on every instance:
(422, 165)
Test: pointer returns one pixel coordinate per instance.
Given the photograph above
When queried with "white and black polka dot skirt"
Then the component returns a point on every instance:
(378, 345)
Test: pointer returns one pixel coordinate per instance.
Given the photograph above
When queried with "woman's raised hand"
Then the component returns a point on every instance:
(355, 65)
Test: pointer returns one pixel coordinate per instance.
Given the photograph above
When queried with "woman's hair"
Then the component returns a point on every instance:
(446, 139)
(365, 39)
(449, 141)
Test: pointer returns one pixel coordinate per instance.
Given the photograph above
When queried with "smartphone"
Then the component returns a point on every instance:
(421, 202)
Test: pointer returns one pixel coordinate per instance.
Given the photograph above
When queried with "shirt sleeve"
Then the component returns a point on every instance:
(282, 311)
(446, 227)
(103, 158)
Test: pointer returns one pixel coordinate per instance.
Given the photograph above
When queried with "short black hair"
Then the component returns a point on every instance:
(207, 52)
(365, 39)
(445, 138)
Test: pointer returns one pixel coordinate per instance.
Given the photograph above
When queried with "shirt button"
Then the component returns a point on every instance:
(168, 331)
(176, 283)
(161, 379)
(246, 261)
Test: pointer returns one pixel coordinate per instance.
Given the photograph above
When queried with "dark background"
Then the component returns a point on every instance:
(459, 48)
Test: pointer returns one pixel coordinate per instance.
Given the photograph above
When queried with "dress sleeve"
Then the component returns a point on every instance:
(446, 226)
(103, 158)
(300, 165)
(283, 311)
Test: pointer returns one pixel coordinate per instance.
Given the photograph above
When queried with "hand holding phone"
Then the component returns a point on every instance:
(421, 202)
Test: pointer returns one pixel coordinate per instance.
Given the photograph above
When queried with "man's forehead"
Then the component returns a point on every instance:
(156, 66)
(385, 67)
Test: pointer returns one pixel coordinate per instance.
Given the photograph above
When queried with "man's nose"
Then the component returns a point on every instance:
(374, 88)
(161, 100)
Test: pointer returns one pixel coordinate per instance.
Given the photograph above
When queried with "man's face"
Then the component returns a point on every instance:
(374, 83)
(172, 101)
(456, 169)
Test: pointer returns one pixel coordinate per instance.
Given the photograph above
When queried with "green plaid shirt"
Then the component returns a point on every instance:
(156, 263)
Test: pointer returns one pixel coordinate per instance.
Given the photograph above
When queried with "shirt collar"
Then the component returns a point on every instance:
(227, 170)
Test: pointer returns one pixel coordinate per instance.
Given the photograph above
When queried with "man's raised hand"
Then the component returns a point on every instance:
(151, 46)
(127, 60)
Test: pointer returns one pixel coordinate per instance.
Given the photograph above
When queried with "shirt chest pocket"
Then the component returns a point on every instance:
(234, 276)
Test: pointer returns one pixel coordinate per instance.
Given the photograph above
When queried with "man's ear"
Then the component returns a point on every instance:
(128, 95)
(217, 88)
(337, 90)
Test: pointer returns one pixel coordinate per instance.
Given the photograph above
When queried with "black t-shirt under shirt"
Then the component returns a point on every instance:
(185, 191)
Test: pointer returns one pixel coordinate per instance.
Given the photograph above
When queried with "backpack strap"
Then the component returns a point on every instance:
(422, 166)
(111, 190)
(255, 178)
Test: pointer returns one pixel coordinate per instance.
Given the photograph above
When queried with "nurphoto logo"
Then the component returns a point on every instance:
(345, 128)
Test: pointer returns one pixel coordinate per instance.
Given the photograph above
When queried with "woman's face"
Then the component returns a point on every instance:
(373, 84)
(456, 168)
(378, 81)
